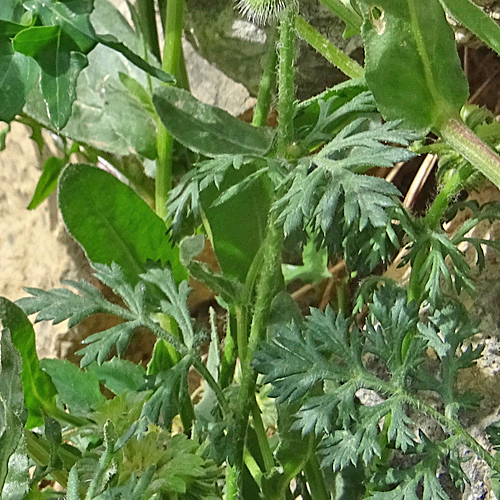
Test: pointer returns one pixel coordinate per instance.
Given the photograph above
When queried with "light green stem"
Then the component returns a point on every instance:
(352, 20)
(449, 190)
(463, 140)
(260, 430)
(165, 141)
(328, 50)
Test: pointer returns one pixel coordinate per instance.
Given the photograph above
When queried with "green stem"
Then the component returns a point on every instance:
(328, 50)
(209, 379)
(315, 478)
(442, 200)
(165, 141)
(147, 17)
(39, 451)
(463, 140)
(351, 19)
(266, 288)
(260, 431)
(286, 85)
(59, 414)
(102, 466)
(267, 84)
(228, 363)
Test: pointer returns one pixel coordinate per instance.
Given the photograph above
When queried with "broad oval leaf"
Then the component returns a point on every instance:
(103, 109)
(60, 67)
(39, 391)
(412, 65)
(113, 223)
(206, 129)
(18, 74)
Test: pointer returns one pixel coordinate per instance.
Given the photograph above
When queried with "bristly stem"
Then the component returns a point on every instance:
(449, 190)
(464, 141)
(165, 141)
(286, 85)
(270, 271)
(328, 50)
(267, 83)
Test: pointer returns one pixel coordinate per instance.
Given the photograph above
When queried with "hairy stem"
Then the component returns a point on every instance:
(165, 141)
(463, 140)
(267, 84)
(327, 49)
(286, 86)
(450, 189)
(266, 288)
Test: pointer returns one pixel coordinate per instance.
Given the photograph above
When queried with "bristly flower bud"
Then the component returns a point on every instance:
(264, 11)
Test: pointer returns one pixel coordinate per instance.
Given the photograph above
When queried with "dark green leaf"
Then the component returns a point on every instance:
(77, 389)
(407, 45)
(12, 409)
(48, 180)
(249, 209)
(119, 375)
(206, 129)
(165, 403)
(476, 20)
(113, 224)
(18, 77)
(102, 109)
(75, 23)
(3, 136)
(113, 43)
(60, 66)
(39, 391)
(12, 10)
(61, 304)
